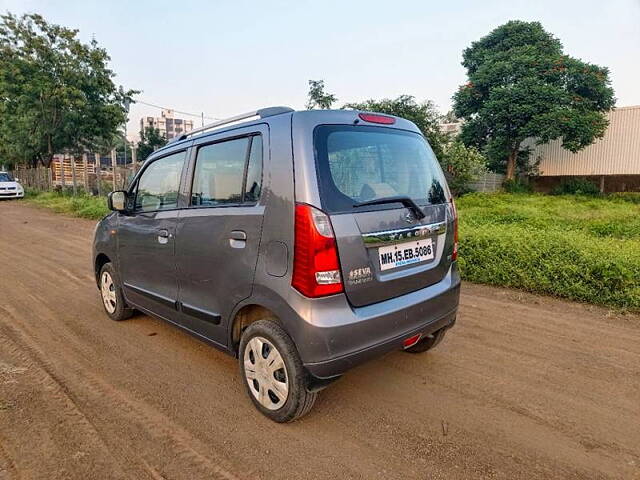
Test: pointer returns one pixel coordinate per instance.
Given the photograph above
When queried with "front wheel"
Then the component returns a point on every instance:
(111, 294)
(275, 379)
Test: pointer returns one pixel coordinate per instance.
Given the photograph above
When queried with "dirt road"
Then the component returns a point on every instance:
(523, 387)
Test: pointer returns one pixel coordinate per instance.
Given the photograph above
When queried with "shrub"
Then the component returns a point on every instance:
(82, 205)
(576, 186)
(516, 186)
(577, 247)
(463, 165)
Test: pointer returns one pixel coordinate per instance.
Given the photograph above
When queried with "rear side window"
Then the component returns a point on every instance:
(228, 172)
(159, 183)
(360, 163)
(253, 184)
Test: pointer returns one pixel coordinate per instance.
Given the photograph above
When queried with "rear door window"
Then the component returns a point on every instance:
(360, 163)
(228, 172)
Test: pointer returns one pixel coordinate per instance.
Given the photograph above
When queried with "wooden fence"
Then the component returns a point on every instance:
(78, 174)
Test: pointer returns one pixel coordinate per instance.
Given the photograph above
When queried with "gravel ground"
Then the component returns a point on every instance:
(522, 387)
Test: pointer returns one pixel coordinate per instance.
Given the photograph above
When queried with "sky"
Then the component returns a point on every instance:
(222, 58)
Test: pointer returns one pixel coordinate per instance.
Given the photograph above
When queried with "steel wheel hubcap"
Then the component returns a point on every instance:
(108, 290)
(266, 373)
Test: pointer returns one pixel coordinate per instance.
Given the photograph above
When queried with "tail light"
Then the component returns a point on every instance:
(454, 255)
(375, 118)
(316, 268)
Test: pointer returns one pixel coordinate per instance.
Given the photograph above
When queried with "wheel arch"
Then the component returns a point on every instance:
(244, 316)
(100, 261)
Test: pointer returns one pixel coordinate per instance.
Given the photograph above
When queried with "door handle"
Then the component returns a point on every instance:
(163, 236)
(238, 239)
(238, 235)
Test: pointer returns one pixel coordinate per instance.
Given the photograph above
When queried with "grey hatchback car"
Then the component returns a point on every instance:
(302, 242)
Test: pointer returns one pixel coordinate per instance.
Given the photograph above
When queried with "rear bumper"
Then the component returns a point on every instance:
(339, 365)
(336, 336)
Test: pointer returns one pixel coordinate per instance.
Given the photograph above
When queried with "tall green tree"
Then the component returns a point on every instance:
(424, 115)
(150, 140)
(56, 93)
(521, 84)
(318, 98)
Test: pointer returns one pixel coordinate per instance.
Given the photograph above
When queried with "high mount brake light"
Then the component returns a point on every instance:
(454, 255)
(316, 268)
(374, 118)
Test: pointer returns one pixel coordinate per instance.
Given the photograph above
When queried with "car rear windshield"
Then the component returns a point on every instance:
(360, 163)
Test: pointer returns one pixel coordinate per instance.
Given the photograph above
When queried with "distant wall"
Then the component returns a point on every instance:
(615, 154)
(489, 182)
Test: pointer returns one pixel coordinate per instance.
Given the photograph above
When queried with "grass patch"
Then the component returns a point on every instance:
(584, 248)
(84, 206)
(578, 247)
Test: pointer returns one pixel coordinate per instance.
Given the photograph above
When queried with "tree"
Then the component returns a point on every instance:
(424, 115)
(521, 85)
(150, 140)
(56, 93)
(318, 98)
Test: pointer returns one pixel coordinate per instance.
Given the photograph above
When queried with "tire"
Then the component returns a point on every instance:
(280, 394)
(111, 294)
(427, 343)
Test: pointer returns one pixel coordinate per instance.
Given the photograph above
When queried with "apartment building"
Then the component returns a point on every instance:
(168, 124)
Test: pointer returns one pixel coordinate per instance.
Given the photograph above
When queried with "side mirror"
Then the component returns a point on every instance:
(117, 201)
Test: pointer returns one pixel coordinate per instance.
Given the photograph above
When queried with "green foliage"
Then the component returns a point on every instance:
(577, 186)
(150, 140)
(516, 186)
(84, 206)
(318, 98)
(631, 197)
(462, 165)
(56, 93)
(424, 115)
(578, 247)
(521, 85)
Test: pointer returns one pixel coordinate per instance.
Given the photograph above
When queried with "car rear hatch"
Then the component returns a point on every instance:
(388, 202)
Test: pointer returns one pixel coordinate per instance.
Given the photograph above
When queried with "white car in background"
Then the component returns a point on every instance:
(9, 187)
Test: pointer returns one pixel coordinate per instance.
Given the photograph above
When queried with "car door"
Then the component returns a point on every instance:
(218, 235)
(146, 237)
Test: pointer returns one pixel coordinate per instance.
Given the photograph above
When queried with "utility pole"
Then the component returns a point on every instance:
(134, 158)
(202, 118)
(114, 163)
(127, 103)
(97, 168)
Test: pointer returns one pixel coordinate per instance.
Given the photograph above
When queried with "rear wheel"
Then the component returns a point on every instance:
(111, 294)
(273, 374)
(428, 342)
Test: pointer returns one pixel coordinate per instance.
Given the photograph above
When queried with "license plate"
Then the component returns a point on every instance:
(408, 253)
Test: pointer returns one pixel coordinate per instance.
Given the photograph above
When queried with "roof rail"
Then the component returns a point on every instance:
(262, 113)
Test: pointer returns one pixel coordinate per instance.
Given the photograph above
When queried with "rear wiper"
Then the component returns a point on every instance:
(403, 199)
